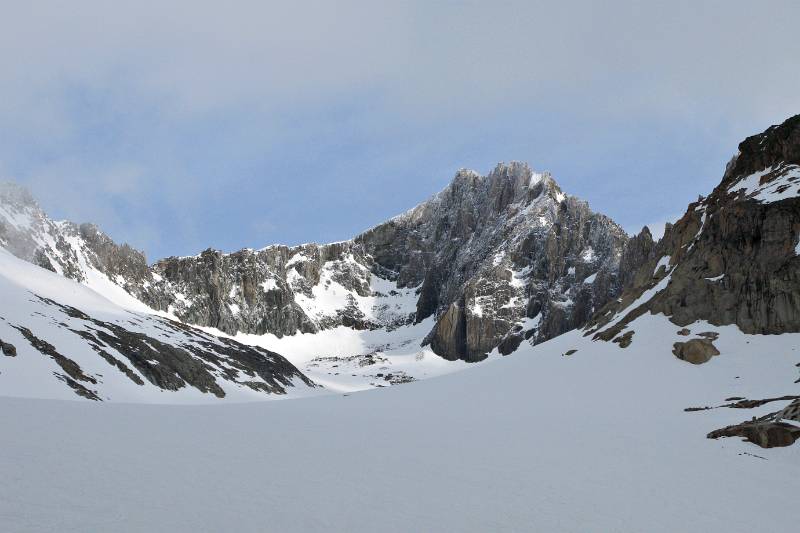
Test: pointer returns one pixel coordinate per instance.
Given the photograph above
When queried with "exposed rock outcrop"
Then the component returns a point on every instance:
(764, 434)
(734, 257)
(8, 349)
(637, 251)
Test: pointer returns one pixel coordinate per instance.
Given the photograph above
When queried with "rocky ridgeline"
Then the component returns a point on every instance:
(492, 260)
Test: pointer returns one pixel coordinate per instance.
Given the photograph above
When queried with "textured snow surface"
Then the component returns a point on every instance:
(538, 441)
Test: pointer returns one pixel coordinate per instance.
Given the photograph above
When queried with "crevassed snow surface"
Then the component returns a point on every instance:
(537, 441)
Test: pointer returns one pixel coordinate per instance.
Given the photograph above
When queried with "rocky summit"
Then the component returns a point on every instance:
(494, 260)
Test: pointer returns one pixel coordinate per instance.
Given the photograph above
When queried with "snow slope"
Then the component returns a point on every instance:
(540, 441)
(68, 340)
(343, 359)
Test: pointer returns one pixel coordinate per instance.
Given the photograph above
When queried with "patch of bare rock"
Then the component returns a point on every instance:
(764, 434)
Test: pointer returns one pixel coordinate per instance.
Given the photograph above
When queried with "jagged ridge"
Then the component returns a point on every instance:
(495, 259)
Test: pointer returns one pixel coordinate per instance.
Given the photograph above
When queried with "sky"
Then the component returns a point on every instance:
(204, 124)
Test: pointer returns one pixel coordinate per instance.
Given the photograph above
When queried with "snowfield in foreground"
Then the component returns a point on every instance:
(537, 441)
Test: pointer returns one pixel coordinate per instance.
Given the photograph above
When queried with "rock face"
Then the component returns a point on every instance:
(734, 257)
(637, 252)
(491, 261)
(500, 256)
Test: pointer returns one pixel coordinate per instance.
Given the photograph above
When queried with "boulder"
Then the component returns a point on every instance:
(695, 351)
(8, 349)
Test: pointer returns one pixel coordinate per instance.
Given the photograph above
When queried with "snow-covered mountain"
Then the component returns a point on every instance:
(488, 266)
(491, 261)
(79, 252)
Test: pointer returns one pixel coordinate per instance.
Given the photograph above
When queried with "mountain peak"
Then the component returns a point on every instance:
(512, 168)
(512, 182)
(775, 145)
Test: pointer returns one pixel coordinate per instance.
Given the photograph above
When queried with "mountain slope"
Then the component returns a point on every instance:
(79, 252)
(61, 339)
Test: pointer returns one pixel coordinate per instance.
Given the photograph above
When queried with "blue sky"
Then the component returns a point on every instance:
(182, 127)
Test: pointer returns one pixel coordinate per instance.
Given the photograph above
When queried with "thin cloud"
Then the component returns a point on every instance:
(259, 105)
